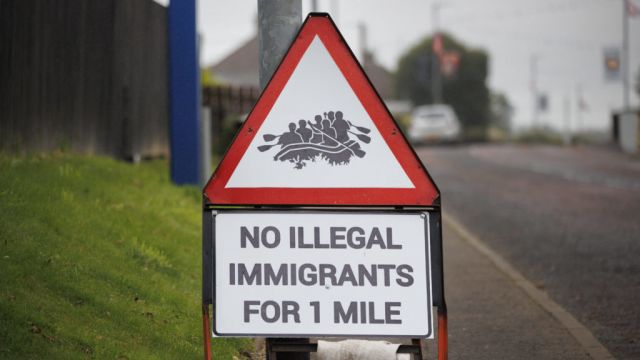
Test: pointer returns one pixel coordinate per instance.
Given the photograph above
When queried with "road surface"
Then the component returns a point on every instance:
(567, 219)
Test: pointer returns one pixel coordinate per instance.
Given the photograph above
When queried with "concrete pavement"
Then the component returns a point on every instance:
(491, 316)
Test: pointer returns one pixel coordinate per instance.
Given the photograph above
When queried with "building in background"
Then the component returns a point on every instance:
(240, 69)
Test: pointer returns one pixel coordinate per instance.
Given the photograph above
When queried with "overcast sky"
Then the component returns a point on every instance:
(567, 36)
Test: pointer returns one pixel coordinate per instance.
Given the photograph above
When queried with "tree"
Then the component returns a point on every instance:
(501, 111)
(466, 91)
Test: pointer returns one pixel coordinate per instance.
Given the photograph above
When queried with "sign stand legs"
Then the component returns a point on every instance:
(442, 333)
(438, 284)
(418, 343)
(206, 331)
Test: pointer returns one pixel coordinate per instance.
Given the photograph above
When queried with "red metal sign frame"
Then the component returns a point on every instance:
(425, 192)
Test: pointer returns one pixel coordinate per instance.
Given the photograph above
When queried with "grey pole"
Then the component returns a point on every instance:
(278, 23)
(436, 82)
(578, 109)
(625, 55)
(204, 115)
(566, 107)
(335, 11)
(362, 34)
(205, 145)
(533, 63)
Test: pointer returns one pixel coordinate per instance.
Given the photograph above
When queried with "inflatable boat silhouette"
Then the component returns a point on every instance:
(302, 149)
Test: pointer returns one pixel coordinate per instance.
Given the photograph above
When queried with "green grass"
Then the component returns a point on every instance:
(99, 259)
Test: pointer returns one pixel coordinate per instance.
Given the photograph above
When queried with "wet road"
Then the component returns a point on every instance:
(568, 219)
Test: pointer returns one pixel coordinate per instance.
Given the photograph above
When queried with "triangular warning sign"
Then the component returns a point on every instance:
(320, 135)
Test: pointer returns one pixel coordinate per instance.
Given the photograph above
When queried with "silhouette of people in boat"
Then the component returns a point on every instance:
(290, 137)
(342, 127)
(328, 133)
(328, 138)
(305, 133)
(316, 138)
(330, 116)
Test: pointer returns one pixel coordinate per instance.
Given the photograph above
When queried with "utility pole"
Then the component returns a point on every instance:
(362, 34)
(335, 11)
(278, 23)
(533, 64)
(579, 108)
(436, 82)
(566, 105)
(314, 5)
(625, 55)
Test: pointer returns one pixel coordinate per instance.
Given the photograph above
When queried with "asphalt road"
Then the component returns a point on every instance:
(568, 219)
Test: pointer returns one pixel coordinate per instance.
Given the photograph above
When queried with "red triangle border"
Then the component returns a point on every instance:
(425, 192)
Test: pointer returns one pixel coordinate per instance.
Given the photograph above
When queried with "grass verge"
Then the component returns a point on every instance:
(99, 259)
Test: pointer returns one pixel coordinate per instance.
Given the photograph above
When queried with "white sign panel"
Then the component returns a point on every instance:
(318, 89)
(322, 274)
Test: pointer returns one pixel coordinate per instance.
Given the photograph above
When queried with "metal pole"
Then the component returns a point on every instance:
(206, 330)
(335, 11)
(625, 55)
(436, 83)
(443, 333)
(533, 62)
(205, 145)
(567, 120)
(362, 32)
(205, 130)
(278, 23)
(579, 105)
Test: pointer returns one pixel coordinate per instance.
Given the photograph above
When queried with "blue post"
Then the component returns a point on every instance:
(184, 85)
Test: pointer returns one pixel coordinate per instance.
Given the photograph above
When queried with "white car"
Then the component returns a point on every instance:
(434, 123)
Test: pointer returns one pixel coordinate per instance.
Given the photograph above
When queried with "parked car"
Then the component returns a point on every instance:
(434, 123)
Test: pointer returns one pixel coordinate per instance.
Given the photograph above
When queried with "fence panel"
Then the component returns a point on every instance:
(227, 104)
(90, 76)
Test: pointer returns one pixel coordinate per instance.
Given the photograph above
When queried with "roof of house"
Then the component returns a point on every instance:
(240, 68)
